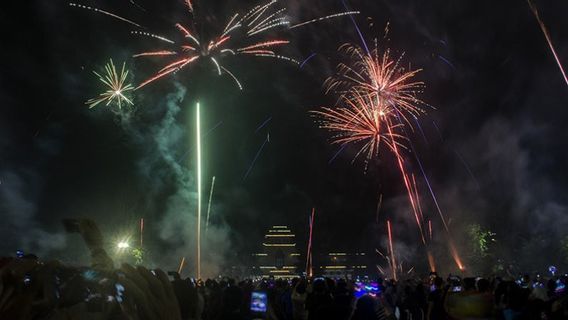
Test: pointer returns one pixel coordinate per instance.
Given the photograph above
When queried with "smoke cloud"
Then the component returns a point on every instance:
(167, 170)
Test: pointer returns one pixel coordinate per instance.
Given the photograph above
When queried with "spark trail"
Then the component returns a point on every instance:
(336, 154)
(209, 204)
(256, 156)
(548, 40)
(309, 267)
(263, 124)
(110, 14)
(307, 59)
(391, 249)
(181, 265)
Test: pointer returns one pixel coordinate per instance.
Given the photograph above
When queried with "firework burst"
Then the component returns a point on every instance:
(245, 34)
(379, 98)
(242, 35)
(361, 121)
(118, 90)
(380, 77)
(378, 95)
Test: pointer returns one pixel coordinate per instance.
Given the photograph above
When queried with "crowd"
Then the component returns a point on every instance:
(33, 289)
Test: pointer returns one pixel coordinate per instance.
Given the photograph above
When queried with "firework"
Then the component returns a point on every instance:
(364, 120)
(209, 204)
(307, 59)
(309, 271)
(378, 76)
(263, 124)
(431, 261)
(378, 100)
(240, 36)
(548, 40)
(379, 205)
(198, 139)
(151, 35)
(381, 270)
(341, 14)
(181, 265)
(245, 34)
(336, 154)
(118, 90)
(391, 249)
(256, 156)
(453, 249)
(370, 122)
(110, 14)
(361, 121)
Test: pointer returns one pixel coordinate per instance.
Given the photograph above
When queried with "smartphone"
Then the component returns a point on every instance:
(119, 292)
(560, 286)
(258, 302)
(27, 279)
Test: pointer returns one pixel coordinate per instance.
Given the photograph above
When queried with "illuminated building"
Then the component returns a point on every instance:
(279, 256)
(341, 264)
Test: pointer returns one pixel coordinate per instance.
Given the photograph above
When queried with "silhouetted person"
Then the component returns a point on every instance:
(317, 299)
(368, 308)
(436, 301)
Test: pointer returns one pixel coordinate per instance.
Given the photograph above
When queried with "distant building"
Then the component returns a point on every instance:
(280, 257)
(341, 264)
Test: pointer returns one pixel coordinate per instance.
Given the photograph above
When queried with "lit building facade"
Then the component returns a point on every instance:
(341, 264)
(280, 257)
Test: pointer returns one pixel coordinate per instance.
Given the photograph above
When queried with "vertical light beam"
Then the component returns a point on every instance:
(198, 137)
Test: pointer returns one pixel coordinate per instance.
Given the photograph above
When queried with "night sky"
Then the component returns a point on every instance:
(493, 146)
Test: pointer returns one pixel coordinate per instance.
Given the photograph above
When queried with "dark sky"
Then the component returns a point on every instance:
(493, 147)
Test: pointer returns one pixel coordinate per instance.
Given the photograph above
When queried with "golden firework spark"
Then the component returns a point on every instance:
(118, 91)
